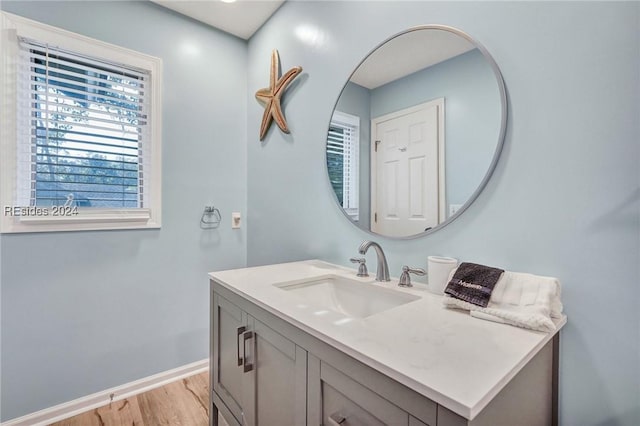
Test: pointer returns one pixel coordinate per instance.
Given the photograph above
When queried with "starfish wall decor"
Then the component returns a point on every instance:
(270, 96)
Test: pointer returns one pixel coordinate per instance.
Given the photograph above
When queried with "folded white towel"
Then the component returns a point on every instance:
(520, 299)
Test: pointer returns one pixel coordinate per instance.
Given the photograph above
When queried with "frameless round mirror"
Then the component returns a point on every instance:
(416, 132)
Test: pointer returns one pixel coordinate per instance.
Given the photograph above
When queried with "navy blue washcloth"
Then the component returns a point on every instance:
(473, 283)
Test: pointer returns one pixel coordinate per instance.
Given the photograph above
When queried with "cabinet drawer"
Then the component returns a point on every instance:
(344, 398)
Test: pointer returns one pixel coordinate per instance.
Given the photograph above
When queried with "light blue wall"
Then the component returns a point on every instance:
(356, 100)
(472, 115)
(85, 311)
(564, 200)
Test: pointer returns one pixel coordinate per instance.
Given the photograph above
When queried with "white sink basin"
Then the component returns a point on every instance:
(348, 297)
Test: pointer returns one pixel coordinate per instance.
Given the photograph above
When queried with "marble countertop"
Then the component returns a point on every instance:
(448, 356)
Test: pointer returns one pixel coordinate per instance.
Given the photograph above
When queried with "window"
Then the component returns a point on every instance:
(343, 160)
(83, 146)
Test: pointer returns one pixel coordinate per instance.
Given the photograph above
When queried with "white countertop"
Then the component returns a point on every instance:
(458, 361)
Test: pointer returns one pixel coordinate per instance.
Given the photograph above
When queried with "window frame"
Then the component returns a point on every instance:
(88, 218)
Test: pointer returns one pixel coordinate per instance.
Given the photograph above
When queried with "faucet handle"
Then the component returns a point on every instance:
(405, 278)
(362, 268)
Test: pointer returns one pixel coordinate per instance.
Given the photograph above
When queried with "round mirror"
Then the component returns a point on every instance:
(416, 132)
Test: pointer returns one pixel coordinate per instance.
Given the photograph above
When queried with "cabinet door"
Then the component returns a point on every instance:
(229, 322)
(277, 394)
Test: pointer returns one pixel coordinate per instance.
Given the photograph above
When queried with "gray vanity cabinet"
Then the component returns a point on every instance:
(262, 378)
(258, 376)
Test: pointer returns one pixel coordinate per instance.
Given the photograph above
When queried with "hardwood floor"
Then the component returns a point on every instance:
(181, 403)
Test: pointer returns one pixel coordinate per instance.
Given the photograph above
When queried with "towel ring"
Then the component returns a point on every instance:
(206, 221)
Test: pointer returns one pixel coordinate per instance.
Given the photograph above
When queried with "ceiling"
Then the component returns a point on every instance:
(241, 18)
(408, 53)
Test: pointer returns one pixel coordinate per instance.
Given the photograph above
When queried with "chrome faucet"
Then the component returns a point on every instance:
(382, 273)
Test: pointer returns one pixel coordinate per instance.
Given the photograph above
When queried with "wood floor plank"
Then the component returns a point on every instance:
(173, 405)
(181, 403)
(198, 386)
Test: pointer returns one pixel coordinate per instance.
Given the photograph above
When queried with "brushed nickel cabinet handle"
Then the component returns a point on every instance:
(247, 335)
(240, 330)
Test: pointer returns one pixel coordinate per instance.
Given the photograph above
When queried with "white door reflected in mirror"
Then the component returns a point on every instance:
(407, 173)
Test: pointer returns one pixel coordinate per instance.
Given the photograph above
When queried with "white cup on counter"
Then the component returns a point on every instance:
(439, 269)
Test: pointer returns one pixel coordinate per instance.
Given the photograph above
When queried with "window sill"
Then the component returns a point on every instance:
(43, 220)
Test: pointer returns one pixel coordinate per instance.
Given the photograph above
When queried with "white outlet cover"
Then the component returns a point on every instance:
(236, 219)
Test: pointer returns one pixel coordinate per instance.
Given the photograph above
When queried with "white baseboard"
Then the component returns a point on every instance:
(98, 399)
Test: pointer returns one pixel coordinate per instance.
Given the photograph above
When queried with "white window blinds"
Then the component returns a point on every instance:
(343, 160)
(82, 130)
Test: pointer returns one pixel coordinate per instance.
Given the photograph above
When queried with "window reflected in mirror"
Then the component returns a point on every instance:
(343, 159)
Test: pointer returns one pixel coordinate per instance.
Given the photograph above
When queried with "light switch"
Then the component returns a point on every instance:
(235, 220)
